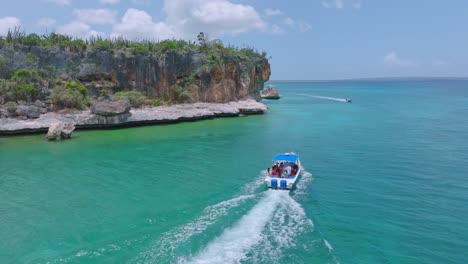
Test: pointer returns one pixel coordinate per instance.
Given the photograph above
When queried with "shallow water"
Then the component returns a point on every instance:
(385, 182)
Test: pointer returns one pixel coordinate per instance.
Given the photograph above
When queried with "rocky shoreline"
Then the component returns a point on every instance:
(136, 117)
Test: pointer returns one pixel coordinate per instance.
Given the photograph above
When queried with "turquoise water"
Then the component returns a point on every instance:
(385, 182)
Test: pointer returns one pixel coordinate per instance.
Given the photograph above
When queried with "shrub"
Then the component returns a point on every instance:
(184, 97)
(78, 45)
(5, 68)
(140, 48)
(103, 93)
(25, 91)
(166, 97)
(6, 91)
(188, 80)
(54, 39)
(136, 98)
(23, 75)
(168, 45)
(99, 42)
(71, 67)
(180, 94)
(75, 85)
(15, 36)
(214, 59)
(32, 40)
(11, 107)
(31, 58)
(157, 102)
(63, 97)
(51, 70)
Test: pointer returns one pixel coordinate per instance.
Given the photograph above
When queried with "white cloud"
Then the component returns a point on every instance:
(95, 16)
(8, 23)
(78, 29)
(357, 5)
(303, 26)
(60, 2)
(289, 21)
(46, 22)
(273, 12)
(183, 19)
(392, 59)
(139, 24)
(186, 18)
(110, 2)
(212, 16)
(299, 25)
(275, 29)
(338, 4)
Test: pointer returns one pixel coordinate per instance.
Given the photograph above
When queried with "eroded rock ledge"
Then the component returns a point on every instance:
(137, 117)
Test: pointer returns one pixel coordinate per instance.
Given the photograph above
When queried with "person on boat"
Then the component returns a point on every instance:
(295, 168)
(274, 170)
(279, 171)
(287, 170)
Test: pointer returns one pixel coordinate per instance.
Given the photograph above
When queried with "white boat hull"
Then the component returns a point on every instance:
(287, 184)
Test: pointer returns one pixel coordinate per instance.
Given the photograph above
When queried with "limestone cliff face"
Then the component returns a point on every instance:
(230, 78)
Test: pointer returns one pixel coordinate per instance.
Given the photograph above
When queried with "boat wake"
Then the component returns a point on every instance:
(302, 184)
(232, 245)
(166, 246)
(261, 235)
(324, 97)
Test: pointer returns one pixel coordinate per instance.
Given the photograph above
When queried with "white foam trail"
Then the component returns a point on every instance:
(232, 245)
(330, 248)
(323, 97)
(250, 188)
(302, 184)
(170, 241)
(288, 222)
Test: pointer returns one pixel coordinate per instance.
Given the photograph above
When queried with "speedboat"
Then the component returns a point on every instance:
(284, 171)
(348, 100)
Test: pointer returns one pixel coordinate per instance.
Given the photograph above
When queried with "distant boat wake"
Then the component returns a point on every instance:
(262, 234)
(324, 97)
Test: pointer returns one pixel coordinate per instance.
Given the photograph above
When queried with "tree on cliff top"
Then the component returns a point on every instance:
(202, 38)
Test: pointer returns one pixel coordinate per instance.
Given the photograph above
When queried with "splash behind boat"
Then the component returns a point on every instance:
(284, 171)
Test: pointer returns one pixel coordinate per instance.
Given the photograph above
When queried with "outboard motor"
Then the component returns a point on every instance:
(274, 183)
(283, 184)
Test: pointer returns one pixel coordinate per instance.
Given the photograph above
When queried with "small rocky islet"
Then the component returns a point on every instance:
(55, 79)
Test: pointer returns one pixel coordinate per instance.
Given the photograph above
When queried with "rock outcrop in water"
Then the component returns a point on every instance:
(59, 131)
(270, 93)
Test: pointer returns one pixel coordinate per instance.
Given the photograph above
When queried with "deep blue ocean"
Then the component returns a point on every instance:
(386, 181)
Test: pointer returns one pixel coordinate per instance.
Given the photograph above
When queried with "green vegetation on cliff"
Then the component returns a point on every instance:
(212, 48)
(57, 71)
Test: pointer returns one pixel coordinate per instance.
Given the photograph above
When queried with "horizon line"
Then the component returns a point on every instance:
(373, 79)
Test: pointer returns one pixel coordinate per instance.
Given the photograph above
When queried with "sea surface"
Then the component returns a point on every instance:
(385, 181)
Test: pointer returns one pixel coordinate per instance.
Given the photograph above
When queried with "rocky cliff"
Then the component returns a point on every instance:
(201, 76)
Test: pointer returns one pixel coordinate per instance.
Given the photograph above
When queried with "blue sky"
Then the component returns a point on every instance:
(307, 40)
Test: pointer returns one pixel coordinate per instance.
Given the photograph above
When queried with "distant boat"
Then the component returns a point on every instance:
(284, 172)
(348, 100)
